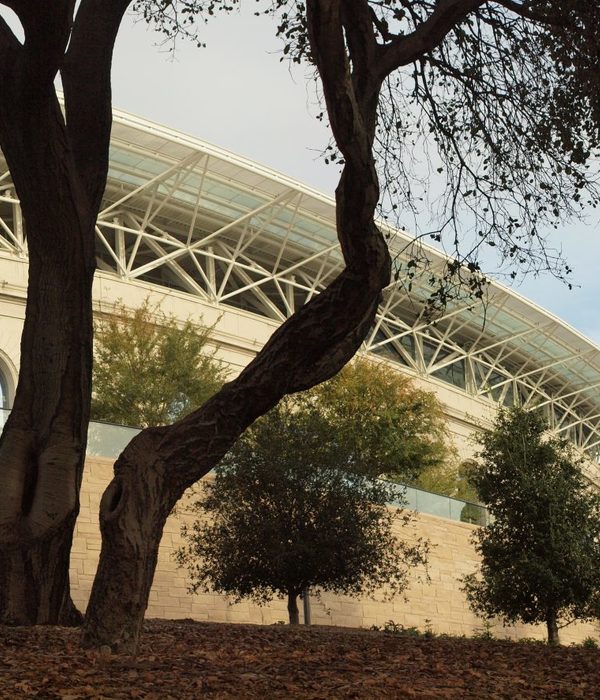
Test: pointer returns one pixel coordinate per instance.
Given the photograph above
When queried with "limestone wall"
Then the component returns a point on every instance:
(439, 604)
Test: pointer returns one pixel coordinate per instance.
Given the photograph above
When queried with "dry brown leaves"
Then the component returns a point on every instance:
(184, 660)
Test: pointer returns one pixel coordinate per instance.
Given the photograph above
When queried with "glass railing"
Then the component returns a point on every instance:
(442, 506)
(109, 440)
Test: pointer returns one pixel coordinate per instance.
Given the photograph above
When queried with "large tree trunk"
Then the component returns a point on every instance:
(34, 582)
(314, 344)
(42, 447)
(59, 171)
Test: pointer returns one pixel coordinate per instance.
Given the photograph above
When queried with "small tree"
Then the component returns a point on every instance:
(148, 369)
(540, 554)
(284, 515)
(385, 425)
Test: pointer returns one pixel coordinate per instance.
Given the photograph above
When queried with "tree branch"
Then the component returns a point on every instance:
(47, 28)
(8, 43)
(362, 46)
(86, 82)
(404, 50)
(381, 26)
(328, 49)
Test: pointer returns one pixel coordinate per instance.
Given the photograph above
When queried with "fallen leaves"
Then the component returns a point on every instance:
(185, 661)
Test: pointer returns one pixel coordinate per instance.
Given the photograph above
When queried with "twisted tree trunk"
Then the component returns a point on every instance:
(314, 344)
(310, 347)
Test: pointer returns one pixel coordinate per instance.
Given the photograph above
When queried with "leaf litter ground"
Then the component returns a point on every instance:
(186, 660)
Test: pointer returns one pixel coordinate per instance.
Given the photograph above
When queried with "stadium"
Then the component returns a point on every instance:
(212, 237)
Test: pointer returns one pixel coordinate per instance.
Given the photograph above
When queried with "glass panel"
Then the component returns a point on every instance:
(429, 350)
(408, 343)
(407, 497)
(509, 397)
(6, 215)
(472, 513)
(388, 350)
(443, 506)
(433, 504)
(558, 415)
(107, 440)
(453, 374)
(496, 385)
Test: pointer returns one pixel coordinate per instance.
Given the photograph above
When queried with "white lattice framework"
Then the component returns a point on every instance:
(183, 214)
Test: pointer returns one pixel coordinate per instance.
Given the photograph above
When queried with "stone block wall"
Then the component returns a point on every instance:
(438, 605)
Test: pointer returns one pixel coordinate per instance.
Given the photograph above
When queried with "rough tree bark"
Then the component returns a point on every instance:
(315, 343)
(59, 169)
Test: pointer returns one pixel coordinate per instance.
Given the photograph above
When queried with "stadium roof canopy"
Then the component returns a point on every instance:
(182, 214)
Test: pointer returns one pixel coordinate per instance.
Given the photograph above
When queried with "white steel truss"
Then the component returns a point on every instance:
(181, 214)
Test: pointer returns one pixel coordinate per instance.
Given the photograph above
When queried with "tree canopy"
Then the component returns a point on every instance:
(286, 513)
(540, 553)
(383, 424)
(149, 369)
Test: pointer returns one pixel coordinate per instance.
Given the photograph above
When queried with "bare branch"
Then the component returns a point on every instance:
(381, 26)
(404, 50)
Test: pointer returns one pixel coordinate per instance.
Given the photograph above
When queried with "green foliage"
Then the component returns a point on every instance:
(485, 634)
(590, 643)
(540, 554)
(528, 640)
(284, 514)
(149, 370)
(398, 629)
(378, 422)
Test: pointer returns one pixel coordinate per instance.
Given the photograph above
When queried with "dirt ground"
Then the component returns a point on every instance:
(184, 660)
